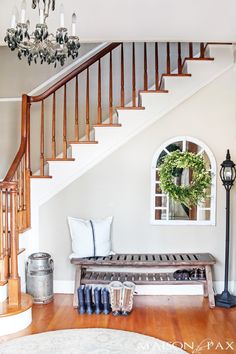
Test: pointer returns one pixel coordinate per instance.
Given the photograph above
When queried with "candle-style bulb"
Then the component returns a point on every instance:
(23, 5)
(73, 25)
(41, 15)
(23, 11)
(14, 17)
(62, 16)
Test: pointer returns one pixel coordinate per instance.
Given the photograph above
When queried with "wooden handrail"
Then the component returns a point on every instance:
(75, 72)
(22, 148)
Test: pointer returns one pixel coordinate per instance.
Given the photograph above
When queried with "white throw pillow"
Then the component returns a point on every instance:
(90, 237)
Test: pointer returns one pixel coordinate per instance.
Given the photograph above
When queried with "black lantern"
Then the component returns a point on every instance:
(228, 172)
(227, 175)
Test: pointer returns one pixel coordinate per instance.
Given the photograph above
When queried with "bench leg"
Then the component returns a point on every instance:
(77, 284)
(205, 289)
(211, 295)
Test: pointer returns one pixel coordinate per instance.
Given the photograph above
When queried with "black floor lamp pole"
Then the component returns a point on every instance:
(227, 174)
(226, 285)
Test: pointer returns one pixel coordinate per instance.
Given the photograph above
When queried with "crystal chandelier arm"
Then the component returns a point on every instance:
(48, 7)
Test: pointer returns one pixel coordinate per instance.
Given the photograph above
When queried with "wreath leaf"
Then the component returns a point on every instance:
(195, 192)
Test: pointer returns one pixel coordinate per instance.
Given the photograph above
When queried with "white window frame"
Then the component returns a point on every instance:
(204, 148)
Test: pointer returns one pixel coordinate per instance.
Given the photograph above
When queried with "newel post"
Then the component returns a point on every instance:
(14, 286)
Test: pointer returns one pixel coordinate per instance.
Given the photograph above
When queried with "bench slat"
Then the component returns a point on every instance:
(147, 260)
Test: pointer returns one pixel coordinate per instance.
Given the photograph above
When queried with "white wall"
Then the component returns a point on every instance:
(120, 186)
(17, 77)
(122, 20)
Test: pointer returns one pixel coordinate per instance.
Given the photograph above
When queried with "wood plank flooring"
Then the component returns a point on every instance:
(185, 320)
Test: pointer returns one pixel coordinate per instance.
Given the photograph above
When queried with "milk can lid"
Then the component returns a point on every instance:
(40, 255)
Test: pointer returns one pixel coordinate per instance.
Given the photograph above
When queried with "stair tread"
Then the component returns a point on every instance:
(7, 310)
(83, 142)
(20, 250)
(153, 91)
(24, 229)
(2, 283)
(37, 176)
(130, 108)
(176, 75)
(200, 59)
(107, 125)
(59, 159)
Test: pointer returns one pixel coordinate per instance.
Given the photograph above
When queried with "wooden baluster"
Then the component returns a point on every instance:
(14, 280)
(27, 197)
(179, 59)
(65, 125)
(26, 112)
(42, 141)
(190, 50)
(122, 77)
(18, 179)
(76, 109)
(156, 66)
(20, 195)
(87, 108)
(2, 275)
(145, 76)
(202, 50)
(24, 195)
(133, 77)
(54, 125)
(111, 92)
(99, 116)
(6, 235)
(168, 58)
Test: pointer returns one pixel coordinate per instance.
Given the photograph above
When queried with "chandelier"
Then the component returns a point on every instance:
(40, 45)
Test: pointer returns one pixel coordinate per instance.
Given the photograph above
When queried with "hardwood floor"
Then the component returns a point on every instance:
(185, 320)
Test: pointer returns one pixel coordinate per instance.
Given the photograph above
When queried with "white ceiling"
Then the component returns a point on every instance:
(140, 20)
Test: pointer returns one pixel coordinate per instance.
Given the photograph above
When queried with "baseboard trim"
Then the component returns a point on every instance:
(67, 287)
(63, 286)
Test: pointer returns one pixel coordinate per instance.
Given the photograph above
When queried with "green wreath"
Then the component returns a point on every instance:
(201, 179)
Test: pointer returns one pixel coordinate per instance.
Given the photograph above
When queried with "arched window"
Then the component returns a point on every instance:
(164, 210)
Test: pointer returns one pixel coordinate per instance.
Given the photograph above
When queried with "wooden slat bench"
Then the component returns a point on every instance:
(183, 260)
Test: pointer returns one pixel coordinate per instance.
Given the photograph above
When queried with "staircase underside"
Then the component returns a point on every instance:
(154, 105)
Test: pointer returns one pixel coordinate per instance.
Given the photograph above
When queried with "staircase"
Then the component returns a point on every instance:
(78, 127)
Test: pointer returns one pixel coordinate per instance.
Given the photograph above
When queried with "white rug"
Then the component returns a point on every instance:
(88, 341)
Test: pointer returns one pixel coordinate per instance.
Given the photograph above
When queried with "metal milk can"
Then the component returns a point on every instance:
(39, 277)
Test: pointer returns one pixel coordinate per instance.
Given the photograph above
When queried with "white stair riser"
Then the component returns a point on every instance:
(3, 293)
(13, 324)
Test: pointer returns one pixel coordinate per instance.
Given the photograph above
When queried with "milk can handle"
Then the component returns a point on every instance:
(52, 264)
